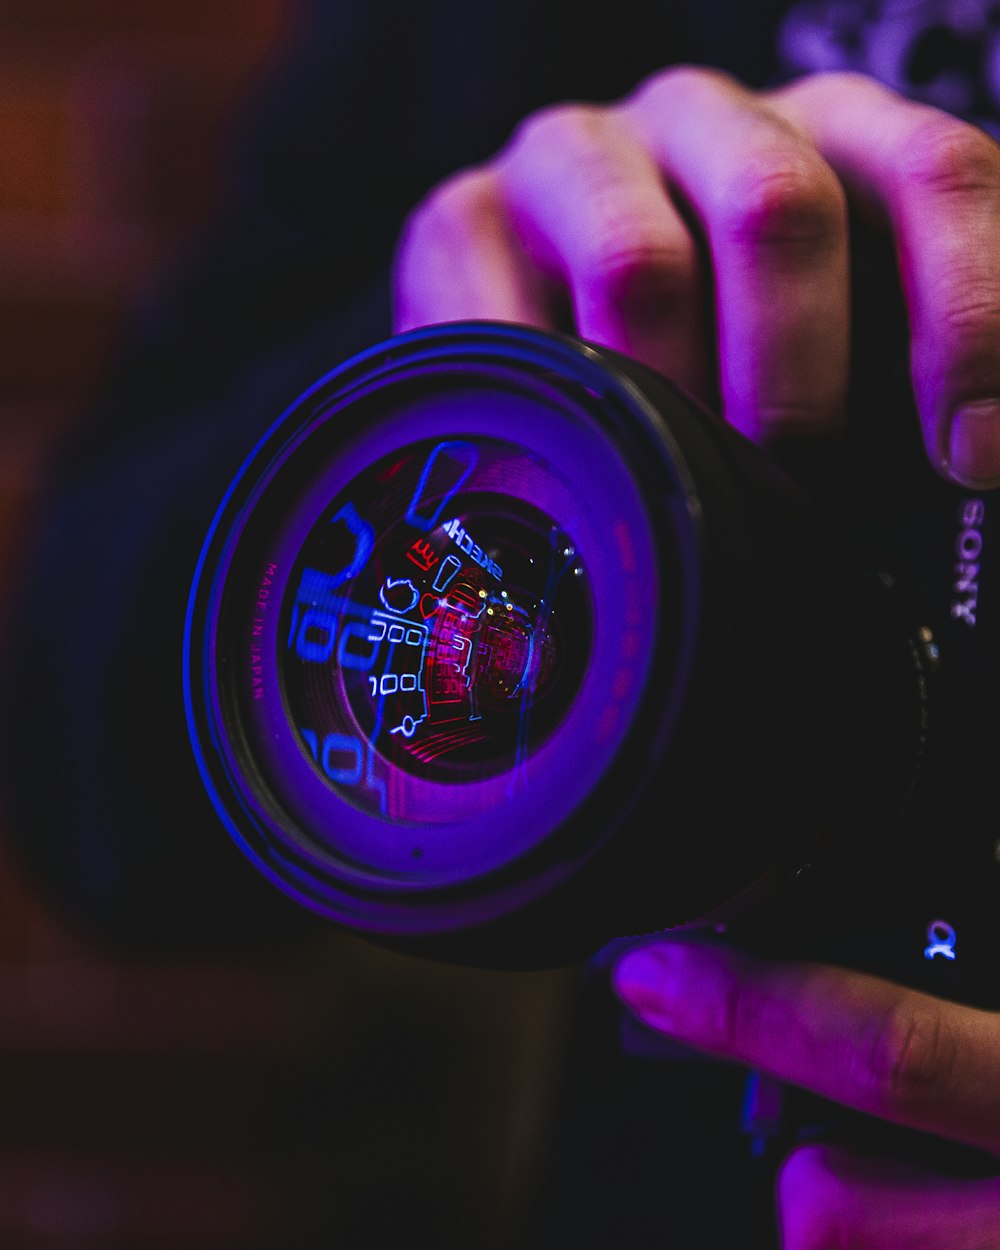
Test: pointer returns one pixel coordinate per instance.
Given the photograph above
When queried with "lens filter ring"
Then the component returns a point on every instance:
(440, 619)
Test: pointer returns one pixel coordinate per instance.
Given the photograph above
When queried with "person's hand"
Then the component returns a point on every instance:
(702, 228)
(894, 1053)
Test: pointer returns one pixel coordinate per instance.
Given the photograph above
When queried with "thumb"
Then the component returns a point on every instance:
(831, 1199)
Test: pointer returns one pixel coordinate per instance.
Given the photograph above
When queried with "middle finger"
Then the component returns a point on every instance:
(590, 208)
(774, 215)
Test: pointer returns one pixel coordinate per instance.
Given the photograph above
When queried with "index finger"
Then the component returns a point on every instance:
(891, 1052)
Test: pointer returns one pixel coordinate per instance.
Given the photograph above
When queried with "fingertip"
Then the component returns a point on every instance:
(810, 1166)
(806, 1197)
(641, 979)
(681, 987)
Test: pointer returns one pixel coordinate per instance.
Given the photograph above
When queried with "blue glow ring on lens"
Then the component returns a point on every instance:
(293, 867)
(488, 824)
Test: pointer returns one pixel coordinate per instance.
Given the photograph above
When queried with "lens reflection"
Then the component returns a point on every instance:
(438, 616)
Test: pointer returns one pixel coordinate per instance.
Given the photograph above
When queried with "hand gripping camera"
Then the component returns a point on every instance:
(500, 648)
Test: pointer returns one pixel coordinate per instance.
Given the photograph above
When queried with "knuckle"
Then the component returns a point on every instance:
(973, 319)
(690, 82)
(553, 128)
(447, 217)
(440, 225)
(455, 204)
(907, 1060)
(950, 157)
(833, 86)
(737, 1025)
(844, 80)
(627, 264)
(780, 200)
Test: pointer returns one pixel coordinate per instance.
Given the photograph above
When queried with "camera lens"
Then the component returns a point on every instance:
(492, 651)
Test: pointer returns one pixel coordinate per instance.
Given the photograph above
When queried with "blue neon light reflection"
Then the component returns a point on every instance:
(465, 456)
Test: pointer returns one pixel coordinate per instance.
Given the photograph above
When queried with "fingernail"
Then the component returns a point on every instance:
(974, 445)
(651, 979)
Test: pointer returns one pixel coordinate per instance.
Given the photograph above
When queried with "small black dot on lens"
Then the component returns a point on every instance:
(418, 852)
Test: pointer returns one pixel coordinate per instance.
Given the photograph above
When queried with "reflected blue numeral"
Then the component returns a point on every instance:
(319, 609)
(317, 589)
(353, 659)
(311, 741)
(364, 542)
(342, 744)
(342, 759)
(317, 651)
(465, 457)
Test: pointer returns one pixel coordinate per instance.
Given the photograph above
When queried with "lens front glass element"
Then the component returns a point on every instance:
(431, 622)
(438, 621)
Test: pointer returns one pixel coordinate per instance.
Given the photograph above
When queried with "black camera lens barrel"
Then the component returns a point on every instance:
(500, 647)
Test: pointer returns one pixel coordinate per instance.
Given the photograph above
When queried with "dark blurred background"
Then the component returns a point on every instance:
(322, 1094)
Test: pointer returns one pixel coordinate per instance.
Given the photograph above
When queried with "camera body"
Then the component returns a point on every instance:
(501, 648)
(919, 903)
